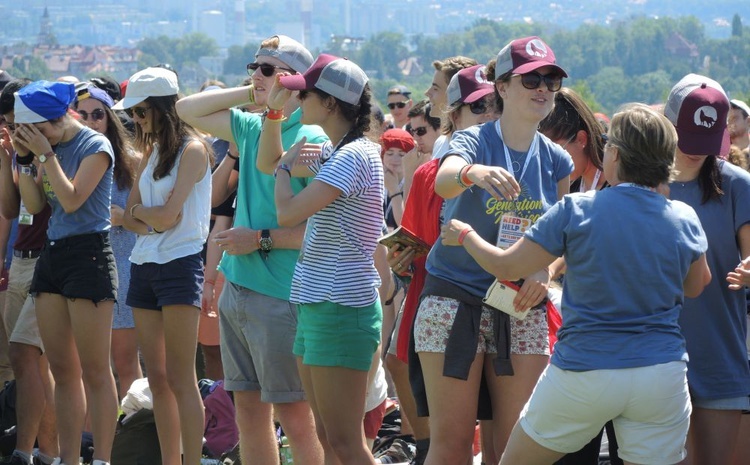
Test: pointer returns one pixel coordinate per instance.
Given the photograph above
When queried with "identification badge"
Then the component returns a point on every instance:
(24, 217)
(512, 228)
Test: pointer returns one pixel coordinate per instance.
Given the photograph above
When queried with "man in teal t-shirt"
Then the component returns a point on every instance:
(258, 324)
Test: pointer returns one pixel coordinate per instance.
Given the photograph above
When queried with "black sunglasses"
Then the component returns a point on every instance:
(266, 69)
(140, 111)
(533, 80)
(393, 105)
(479, 107)
(96, 115)
(420, 131)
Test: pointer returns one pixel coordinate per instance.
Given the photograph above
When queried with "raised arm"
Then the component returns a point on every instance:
(210, 111)
(9, 197)
(455, 175)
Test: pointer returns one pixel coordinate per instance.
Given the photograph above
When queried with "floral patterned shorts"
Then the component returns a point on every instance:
(434, 321)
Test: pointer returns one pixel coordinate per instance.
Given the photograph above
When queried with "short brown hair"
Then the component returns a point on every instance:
(450, 66)
(646, 142)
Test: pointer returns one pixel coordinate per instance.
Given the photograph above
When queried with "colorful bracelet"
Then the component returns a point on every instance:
(460, 178)
(462, 235)
(274, 115)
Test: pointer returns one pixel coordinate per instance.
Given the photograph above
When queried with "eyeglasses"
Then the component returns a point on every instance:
(393, 105)
(266, 69)
(533, 80)
(96, 115)
(420, 131)
(139, 111)
(479, 107)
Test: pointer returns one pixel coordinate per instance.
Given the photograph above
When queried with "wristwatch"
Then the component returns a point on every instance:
(46, 156)
(265, 243)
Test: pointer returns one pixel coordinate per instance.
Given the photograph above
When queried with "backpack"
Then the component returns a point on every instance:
(136, 441)
(220, 428)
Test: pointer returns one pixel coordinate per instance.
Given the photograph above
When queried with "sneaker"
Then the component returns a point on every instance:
(399, 452)
(13, 460)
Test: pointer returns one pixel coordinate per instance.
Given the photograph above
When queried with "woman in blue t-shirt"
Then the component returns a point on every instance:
(75, 280)
(620, 354)
(714, 324)
(500, 177)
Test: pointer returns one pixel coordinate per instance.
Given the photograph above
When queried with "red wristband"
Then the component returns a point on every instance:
(462, 235)
(209, 281)
(274, 115)
(465, 175)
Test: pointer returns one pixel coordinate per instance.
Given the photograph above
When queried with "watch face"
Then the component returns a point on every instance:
(42, 158)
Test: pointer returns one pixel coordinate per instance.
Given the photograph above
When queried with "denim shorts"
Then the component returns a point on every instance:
(157, 285)
(77, 267)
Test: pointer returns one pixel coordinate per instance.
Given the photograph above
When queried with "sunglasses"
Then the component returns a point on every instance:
(533, 80)
(394, 105)
(138, 111)
(420, 131)
(479, 107)
(266, 69)
(96, 115)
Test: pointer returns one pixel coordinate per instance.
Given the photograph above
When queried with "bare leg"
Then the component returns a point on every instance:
(420, 426)
(299, 426)
(125, 358)
(521, 449)
(255, 423)
(712, 437)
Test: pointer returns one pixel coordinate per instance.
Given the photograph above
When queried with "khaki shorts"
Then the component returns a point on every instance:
(649, 408)
(19, 317)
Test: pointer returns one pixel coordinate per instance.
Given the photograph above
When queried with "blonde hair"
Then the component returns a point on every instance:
(737, 157)
(646, 142)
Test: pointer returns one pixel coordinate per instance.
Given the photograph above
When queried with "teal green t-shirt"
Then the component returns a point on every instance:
(256, 208)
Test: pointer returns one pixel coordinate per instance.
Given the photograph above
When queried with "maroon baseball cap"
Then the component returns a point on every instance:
(335, 76)
(522, 56)
(698, 108)
(469, 85)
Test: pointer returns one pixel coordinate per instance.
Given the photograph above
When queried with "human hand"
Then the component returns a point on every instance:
(237, 241)
(6, 143)
(413, 160)
(495, 180)
(400, 258)
(449, 232)
(391, 182)
(30, 137)
(208, 296)
(301, 153)
(533, 290)
(116, 213)
(278, 95)
(740, 277)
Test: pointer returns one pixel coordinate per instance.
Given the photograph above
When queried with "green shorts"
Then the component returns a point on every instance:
(334, 335)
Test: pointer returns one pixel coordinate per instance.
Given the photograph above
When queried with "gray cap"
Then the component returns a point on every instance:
(290, 52)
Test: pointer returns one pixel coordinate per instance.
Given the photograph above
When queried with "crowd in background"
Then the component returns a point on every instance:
(247, 221)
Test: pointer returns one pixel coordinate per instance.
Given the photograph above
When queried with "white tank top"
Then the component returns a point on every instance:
(190, 233)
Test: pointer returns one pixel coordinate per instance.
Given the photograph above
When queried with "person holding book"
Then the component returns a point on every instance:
(637, 375)
(498, 176)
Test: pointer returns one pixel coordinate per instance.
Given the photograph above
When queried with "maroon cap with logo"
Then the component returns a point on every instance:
(698, 108)
(469, 85)
(522, 56)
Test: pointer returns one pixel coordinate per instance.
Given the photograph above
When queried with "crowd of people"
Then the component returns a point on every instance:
(247, 220)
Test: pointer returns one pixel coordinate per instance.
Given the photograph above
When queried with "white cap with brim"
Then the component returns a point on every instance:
(150, 82)
(741, 105)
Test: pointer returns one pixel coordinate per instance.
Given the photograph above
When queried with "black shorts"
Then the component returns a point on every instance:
(155, 285)
(77, 267)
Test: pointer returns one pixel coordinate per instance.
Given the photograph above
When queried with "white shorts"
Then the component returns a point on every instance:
(649, 406)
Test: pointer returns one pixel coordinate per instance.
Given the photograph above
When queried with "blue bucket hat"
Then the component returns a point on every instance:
(42, 101)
